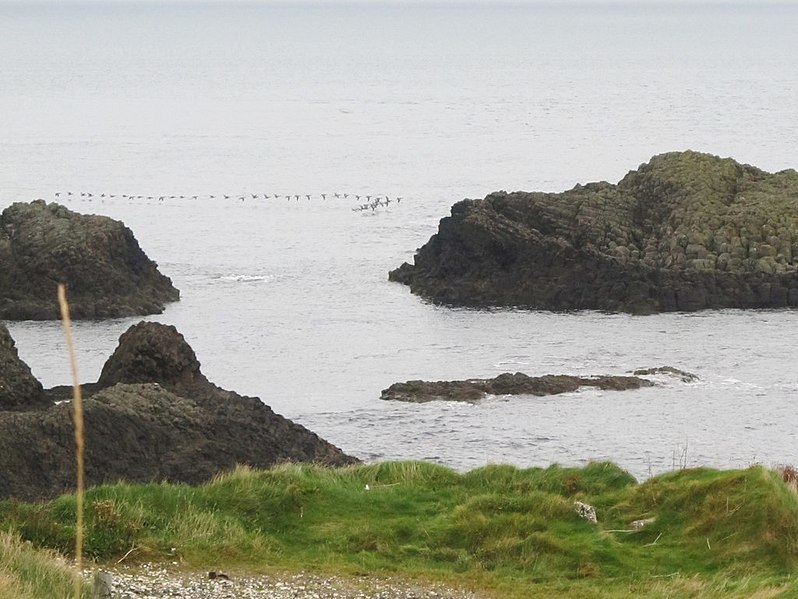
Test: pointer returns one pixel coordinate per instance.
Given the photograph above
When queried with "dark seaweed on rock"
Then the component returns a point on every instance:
(686, 231)
(106, 272)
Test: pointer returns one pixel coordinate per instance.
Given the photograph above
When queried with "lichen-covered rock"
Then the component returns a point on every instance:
(506, 384)
(98, 258)
(686, 231)
(153, 416)
(19, 389)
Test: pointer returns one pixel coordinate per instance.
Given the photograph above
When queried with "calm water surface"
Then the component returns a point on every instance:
(289, 300)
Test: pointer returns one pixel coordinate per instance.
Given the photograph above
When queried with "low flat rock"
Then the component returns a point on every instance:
(153, 416)
(506, 384)
(686, 231)
(106, 272)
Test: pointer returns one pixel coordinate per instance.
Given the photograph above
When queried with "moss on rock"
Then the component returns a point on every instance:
(685, 231)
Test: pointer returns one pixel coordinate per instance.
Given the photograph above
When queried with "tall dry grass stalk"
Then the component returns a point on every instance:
(77, 405)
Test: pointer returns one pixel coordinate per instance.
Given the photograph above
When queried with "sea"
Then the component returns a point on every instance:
(173, 115)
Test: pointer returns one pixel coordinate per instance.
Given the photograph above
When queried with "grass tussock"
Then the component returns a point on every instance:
(28, 573)
(510, 530)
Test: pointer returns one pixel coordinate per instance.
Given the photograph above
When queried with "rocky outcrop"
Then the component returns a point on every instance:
(505, 384)
(151, 352)
(686, 231)
(98, 258)
(19, 389)
(152, 416)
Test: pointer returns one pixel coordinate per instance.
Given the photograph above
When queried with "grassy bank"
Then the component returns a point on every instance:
(715, 533)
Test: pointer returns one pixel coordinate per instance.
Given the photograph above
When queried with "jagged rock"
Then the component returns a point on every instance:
(98, 258)
(152, 352)
(176, 426)
(19, 389)
(505, 384)
(686, 231)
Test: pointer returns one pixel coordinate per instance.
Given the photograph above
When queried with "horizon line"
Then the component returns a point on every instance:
(758, 3)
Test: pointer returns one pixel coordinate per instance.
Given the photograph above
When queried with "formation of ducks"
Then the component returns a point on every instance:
(376, 203)
(364, 202)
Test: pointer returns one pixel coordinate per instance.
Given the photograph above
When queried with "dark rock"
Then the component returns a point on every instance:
(505, 384)
(98, 258)
(152, 352)
(19, 389)
(686, 231)
(176, 426)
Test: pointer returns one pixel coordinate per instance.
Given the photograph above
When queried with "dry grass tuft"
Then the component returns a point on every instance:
(789, 475)
(77, 404)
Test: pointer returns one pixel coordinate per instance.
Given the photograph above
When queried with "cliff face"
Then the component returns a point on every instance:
(107, 273)
(152, 416)
(686, 231)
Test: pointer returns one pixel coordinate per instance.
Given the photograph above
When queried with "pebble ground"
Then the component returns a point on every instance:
(159, 582)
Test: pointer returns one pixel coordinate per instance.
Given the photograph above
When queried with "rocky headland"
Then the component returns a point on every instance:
(685, 231)
(152, 416)
(98, 258)
(506, 384)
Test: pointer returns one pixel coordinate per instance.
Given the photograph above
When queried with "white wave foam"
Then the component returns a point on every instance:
(240, 278)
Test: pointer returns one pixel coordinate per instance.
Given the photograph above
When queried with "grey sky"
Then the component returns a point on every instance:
(483, 2)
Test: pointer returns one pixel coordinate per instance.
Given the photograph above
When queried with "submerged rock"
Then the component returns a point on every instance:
(107, 273)
(505, 384)
(152, 416)
(686, 231)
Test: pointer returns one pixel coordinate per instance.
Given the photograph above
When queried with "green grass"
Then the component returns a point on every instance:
(498, 528)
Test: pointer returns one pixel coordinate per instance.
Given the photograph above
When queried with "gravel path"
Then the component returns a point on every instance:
(158, 582)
